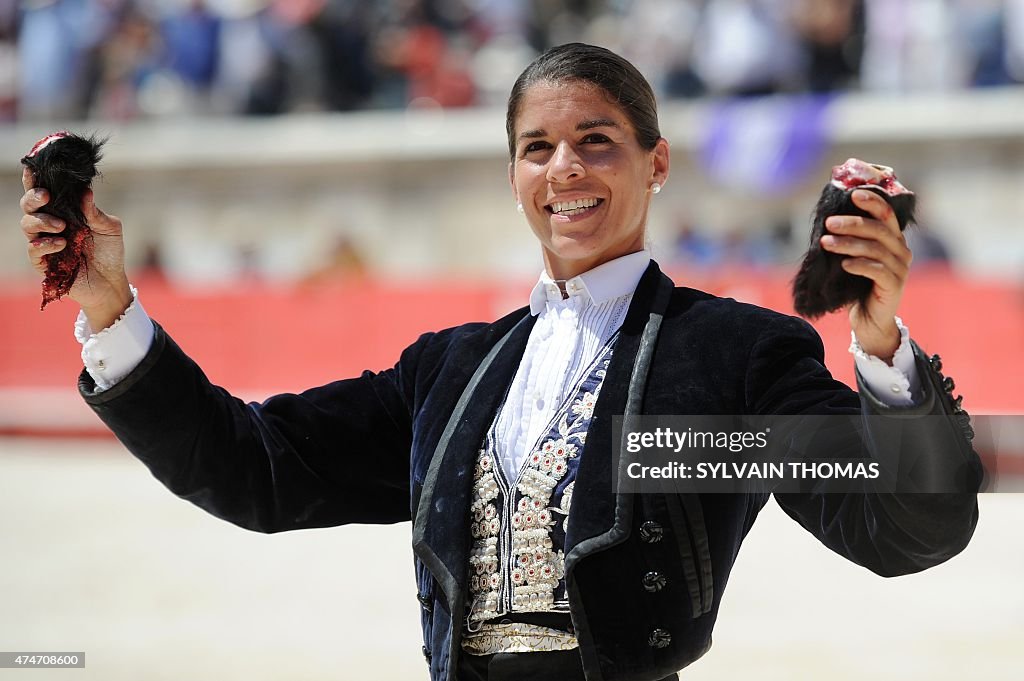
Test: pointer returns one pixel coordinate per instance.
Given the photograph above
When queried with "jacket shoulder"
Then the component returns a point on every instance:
(422, 362)
(737, 320)
(434, 347)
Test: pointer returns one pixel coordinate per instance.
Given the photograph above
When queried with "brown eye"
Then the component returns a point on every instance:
(596, 138)
(535, 146)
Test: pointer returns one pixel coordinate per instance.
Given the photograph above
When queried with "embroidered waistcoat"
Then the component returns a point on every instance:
(517, 559)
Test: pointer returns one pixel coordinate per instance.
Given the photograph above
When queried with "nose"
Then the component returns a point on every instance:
(565, 164)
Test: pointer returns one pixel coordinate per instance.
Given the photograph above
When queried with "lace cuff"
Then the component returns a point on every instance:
(893, 385)
(111, 354)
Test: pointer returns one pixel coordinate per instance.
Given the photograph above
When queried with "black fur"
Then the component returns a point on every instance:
(822, 285)
(66, 168)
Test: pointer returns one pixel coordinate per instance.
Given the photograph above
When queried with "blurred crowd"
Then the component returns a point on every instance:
(124, 59)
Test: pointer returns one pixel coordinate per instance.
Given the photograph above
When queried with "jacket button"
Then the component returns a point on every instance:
(659, 638)
(651, 532)
(948, 385)
(426, 654)
(654, 582)
(426, 601)
(936, 362)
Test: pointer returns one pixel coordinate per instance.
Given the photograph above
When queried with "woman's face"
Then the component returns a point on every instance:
(582, 176)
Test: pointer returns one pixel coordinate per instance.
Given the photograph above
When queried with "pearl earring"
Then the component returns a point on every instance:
(519, 207)
(655, 188)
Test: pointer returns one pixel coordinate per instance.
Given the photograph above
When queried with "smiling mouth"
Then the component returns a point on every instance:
(570, 209)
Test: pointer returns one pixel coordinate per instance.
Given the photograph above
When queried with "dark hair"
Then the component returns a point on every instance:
(619, 79)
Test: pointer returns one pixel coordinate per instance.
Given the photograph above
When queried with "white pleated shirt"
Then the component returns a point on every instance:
(562, 344)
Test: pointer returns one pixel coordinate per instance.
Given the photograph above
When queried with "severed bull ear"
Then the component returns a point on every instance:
(822, 285)
(65, 164)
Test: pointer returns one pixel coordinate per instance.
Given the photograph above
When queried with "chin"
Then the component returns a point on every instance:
(568, 248)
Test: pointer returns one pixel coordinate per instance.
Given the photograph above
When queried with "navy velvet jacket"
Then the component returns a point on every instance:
(385, 448)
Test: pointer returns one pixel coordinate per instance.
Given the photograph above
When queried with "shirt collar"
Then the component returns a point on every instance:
(605, 282)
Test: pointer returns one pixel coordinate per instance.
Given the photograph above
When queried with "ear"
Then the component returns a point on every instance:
(661, 162)
(512, 179)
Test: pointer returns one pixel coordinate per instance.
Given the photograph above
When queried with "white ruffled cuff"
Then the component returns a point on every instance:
(111, 354)
(894, 385)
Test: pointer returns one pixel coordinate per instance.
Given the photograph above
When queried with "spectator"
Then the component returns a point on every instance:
(746, 47)
(249, 79)
(979, 25)
(832, 36)
(49, 57)
(126, 60)
(8, 60)
(910, 44)
(1013, 32)
(694, 248)
(191, 40)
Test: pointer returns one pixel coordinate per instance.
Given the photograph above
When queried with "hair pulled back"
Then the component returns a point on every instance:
(577, 62)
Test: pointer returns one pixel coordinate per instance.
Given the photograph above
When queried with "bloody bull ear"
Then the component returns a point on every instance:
(822, 285)
(856, 174)
(65, 165)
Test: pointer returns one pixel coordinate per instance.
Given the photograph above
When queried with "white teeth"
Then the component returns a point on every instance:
(573, 207)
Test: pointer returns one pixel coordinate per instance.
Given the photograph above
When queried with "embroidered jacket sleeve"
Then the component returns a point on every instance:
(890, 534)
(331, 455)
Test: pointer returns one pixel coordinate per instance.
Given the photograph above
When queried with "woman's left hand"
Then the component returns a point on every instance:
(877, 250)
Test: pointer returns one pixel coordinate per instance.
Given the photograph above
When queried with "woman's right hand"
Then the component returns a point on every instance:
(101, 288)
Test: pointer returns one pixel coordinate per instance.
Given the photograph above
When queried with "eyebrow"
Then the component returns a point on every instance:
(581, 126)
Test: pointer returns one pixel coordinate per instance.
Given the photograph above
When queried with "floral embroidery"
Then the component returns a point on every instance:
(585, 405)
(564, 506)
(516, 564)
(517, 637)
(483, 560)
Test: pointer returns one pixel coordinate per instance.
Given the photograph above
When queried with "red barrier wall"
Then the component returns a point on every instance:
(256, 339)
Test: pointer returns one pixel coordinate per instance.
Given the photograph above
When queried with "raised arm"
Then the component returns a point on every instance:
(331, 455)
(890, 534)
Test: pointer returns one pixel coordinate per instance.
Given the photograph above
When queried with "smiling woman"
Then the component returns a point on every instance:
(581, 176)
(584, 164)
(496, 439)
